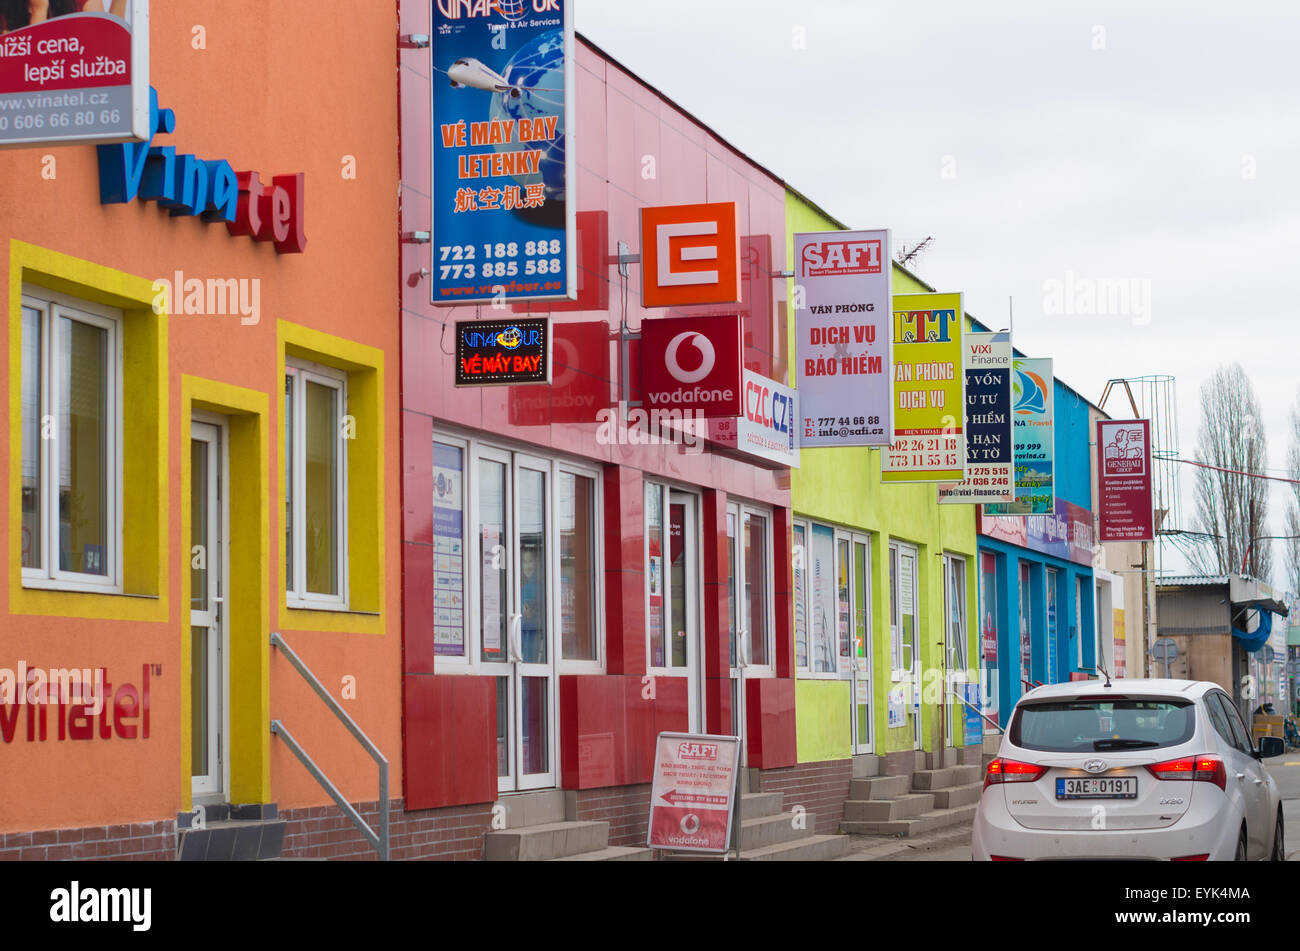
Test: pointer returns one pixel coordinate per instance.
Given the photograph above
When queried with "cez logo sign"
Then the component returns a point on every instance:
(829, 258)
(692, 364)
(690, 254)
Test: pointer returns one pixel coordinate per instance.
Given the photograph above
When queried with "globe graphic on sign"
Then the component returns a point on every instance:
(511, 9)
(537, 70)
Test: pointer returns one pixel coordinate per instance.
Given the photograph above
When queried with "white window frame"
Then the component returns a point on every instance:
(464, 662)
(808, 671)
(52, 305)
(563, 664)
(296, 595)
(476, 450)
(666, 489)
(740, 509)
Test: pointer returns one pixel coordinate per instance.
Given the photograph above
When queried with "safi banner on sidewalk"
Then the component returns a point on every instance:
(929, 391)
(503, 161)
(74, 73)
(842, 340)
(1032, 415)
(989, 441)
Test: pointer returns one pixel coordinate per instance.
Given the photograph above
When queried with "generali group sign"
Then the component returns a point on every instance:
(843, 344)
(1124, 481)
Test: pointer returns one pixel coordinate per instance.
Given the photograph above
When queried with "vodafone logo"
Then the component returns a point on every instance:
(692, 364)
(710, 357)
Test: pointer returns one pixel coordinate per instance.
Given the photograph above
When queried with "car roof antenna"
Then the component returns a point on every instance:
(1102, 667)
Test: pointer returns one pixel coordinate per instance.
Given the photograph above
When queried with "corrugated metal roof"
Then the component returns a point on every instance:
(1189, 581)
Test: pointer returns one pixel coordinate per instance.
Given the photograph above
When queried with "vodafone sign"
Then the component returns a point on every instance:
(692, 364)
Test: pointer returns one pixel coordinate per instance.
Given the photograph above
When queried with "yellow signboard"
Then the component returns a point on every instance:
(929, 391)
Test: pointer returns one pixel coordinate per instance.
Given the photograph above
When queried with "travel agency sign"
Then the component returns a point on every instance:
(504, 215)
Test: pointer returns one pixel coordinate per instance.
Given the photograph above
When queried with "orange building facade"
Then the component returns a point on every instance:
(200, 453)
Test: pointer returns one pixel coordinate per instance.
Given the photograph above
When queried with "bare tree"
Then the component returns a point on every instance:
(1232, 507)
(1293, 503)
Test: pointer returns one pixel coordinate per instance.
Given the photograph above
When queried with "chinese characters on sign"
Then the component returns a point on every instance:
(1124, 482)
(503, 209)
(843, 342)
(929, 391)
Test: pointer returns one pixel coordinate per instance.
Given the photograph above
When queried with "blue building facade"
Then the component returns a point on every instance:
(1036, 590)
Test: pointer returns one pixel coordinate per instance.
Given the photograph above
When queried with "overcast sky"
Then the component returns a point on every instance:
(1154, 144)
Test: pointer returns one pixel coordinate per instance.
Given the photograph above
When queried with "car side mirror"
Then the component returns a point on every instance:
(1270, 746)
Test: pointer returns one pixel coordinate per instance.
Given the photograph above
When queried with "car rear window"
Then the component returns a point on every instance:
(1087, 726)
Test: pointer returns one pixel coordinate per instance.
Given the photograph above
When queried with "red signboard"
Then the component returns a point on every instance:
(1124, 480)
(692, 363)
(693, 792)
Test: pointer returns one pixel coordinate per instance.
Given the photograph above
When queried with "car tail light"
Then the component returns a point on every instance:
(1004, 858)
(1197, 769)
(1011, 771)
(1203, 857)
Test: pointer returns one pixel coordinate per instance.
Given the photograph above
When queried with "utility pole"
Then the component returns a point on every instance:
(1146, 622)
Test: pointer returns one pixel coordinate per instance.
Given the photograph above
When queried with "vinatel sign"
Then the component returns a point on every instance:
(80, 77)
(187, 185)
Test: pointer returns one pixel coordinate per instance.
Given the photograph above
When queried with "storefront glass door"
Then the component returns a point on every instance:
(206, 551)
(858, 570)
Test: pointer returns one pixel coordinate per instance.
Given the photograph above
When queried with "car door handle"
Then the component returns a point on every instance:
(1259, 782)
(1241, 775)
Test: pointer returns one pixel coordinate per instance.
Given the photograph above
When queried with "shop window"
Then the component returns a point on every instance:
(801, 653)
(831, 597)
(315, 453)
(516, 563)
(578, 581)
(1026, 628)
(750, 585)
(448, 549)
(71, 443)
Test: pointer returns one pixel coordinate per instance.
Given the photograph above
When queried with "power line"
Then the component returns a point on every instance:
(1249, 475)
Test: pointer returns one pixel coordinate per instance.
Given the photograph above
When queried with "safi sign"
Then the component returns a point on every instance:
(212, 190)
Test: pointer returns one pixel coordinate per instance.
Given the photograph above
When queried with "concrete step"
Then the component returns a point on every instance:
(955, 796)
(533, 808)
(551, 840)
(231, 840)
(757, 805)
(866, 765)
(614, 853)
(816, 848)
(917, 825)
(773, 830)
(881, 810)
(879, 787)
(928, 779)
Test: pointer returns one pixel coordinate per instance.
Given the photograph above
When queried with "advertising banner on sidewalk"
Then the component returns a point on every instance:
(693, 790)
(503, 209)
(842, 337)
(929, 391)
(990, 469)
(74, 72)
(1033, 423)
(1125, 510)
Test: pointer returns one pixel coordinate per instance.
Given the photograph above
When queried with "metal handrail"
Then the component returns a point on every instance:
(983, 716)
(378, 841)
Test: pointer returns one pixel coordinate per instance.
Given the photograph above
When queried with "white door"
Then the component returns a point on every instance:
(855, 570)
(515, 612)
(207, 562)
(682, 566)
(905, 621)
(954, 654)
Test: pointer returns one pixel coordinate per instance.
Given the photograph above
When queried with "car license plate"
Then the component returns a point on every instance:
(1098, 787)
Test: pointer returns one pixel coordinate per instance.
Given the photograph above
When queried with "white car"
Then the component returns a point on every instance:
(1129, 769)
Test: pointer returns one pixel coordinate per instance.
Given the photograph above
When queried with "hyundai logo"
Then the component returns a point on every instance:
(1095, 766)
